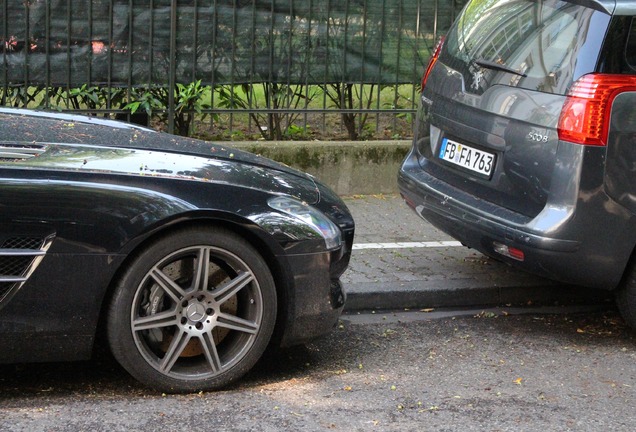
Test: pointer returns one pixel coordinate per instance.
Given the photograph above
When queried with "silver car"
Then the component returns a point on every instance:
(525, 142)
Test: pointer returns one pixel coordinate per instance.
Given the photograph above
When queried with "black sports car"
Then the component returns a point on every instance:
(191, 256)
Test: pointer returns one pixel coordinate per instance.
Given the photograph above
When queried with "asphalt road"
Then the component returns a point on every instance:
(439, 369)
(476, 371)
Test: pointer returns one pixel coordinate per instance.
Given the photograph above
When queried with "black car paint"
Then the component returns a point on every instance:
(103, 203)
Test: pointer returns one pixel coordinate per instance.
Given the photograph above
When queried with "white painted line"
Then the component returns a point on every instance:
(406, 245)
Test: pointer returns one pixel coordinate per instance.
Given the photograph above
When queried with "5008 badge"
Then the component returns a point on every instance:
(538, 137)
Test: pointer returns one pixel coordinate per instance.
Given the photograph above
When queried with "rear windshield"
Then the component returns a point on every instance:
(630, 51)
(537, 45)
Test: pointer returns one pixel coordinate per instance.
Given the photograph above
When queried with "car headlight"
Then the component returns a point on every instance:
(309, 216)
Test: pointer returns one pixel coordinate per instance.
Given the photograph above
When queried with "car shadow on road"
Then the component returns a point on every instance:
(346, 347)
(103, 377)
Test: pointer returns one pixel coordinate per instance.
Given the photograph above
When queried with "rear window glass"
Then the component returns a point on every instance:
(630, 50)
(538, 45)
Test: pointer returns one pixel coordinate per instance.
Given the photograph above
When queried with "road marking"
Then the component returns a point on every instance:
(407, 245)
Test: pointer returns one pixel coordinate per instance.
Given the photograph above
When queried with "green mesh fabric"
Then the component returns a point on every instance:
(125, 42)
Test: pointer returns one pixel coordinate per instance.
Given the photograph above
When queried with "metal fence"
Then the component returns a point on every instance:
(267, 64)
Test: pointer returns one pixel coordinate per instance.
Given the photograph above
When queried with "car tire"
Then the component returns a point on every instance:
(195, 310)
(626, 295)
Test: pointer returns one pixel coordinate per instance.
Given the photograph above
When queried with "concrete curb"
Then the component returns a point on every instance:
(419, 295)
(349, 168)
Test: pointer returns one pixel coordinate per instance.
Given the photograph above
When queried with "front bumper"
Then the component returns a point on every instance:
(316, 301)
(317, 297)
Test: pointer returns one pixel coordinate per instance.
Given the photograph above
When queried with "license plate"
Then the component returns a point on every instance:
(468, 157)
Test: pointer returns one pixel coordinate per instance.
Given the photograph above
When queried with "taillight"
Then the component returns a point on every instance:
(585, 116)
(433, 59)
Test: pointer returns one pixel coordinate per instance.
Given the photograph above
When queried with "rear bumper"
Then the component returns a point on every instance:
(556, 244)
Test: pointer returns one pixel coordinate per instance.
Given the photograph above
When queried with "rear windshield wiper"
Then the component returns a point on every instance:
(496, 66)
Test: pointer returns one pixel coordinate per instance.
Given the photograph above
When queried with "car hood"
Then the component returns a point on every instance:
(66, 142)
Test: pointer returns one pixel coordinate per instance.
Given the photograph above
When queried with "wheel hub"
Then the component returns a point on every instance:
(197, 312)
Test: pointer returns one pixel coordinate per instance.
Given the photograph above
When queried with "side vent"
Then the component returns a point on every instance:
(19, 257)
(19, 152)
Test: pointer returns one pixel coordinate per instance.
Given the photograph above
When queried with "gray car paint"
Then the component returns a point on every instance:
(569, 207)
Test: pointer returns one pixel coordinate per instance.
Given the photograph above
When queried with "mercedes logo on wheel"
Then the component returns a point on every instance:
(195, 312)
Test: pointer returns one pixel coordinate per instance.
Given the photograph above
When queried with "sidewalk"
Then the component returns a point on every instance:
(436, 272)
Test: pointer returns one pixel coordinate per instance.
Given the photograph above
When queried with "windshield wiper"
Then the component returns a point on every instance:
(499, 67)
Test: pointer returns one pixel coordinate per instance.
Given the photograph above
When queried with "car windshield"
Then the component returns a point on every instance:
(538, 45)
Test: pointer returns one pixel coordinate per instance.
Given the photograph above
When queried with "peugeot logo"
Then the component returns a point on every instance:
(478, 75)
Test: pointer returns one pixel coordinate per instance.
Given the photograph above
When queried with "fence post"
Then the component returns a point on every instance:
(173, 66)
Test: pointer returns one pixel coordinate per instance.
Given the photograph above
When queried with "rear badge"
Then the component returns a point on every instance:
(477, 77)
